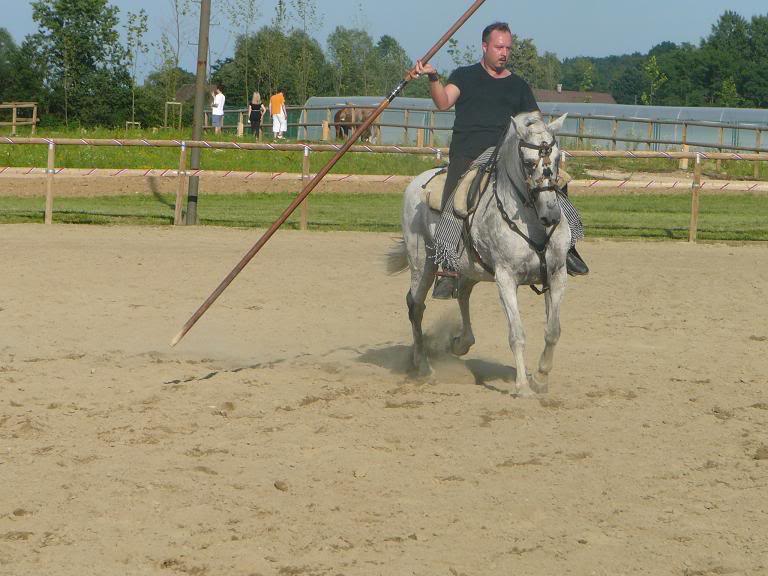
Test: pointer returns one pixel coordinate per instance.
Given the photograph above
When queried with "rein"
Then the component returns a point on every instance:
(540, 248)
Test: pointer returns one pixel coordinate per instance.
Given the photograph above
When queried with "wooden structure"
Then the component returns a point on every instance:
(173, 109)
(17, 120)
(183, 173)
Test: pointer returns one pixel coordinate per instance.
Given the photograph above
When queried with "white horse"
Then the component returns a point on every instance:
(516, 236)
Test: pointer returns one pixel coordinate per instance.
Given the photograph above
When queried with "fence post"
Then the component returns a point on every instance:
(304, 178)
(614, 131)
(695, 188)
(684, 161)
(240, 125)
(182, 185)
(49, 172)
(758, 143)
(406, 122)
(34, 119)
(326, 131)
(719, 162)
(432, 128)
(650, 134)
(581, 132)
(419, 138)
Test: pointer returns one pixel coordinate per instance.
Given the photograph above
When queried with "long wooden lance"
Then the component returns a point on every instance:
(410, 75)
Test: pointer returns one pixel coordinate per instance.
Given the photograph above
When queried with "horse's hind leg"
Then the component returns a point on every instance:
(421, 280)
(461, 344)
(554, 298)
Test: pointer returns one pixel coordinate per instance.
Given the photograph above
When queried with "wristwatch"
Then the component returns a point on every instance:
(433, 77)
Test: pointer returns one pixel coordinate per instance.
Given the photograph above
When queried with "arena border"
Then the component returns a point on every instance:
(307, 148)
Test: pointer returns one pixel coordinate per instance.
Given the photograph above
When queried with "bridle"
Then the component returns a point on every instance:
(534, 188)
(545, 156)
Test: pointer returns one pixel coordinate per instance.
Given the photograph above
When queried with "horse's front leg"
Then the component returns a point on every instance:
(553, 298)
(508, 293)
(461, 344)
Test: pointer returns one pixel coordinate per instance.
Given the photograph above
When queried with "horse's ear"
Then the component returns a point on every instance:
(556, 125)
(517, 127)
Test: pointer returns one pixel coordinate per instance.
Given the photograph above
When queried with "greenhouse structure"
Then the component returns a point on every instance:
(729, 128)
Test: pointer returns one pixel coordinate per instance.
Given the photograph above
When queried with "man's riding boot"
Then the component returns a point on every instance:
(574, 263)
(446, 288)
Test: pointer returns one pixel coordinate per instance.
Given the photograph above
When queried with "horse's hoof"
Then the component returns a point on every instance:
(524, 391)
(459, 348)
(540, 383)
(421, 368)
(425, 370)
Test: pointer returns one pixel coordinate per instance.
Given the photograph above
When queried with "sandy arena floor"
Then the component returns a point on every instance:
(283, 436)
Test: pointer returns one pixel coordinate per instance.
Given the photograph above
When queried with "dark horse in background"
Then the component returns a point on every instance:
(347, 119)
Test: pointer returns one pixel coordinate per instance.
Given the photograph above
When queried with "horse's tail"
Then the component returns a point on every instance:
(397, 257)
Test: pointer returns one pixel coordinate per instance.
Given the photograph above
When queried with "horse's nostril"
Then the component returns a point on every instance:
(547, 173)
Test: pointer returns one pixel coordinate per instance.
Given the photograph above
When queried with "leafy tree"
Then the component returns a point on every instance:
(135, 31)
(8, 51)
(754, 86)
(242, 14)
(727, 95)
(275, 52)
(654, 79)
(305, 14)
(80, 46)
(348, 51)
(628, 87)
(150, 97)
(550, 71)
(524, 60)
(392, 62)
(461, 56)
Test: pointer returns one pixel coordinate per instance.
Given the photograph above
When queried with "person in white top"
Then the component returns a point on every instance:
(217, 113)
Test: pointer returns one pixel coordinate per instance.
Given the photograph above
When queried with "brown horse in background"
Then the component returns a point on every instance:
(346, 120)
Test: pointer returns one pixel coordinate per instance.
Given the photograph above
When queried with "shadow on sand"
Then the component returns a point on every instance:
(397, 359)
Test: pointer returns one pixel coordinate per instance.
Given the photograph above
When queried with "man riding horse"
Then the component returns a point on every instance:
(486, 95)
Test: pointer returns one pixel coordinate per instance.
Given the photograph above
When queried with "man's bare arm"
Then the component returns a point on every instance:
(444, 97)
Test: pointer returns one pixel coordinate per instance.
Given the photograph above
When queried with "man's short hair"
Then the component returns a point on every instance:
(500, 26)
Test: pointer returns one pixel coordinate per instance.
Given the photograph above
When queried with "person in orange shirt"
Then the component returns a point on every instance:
(279, 114)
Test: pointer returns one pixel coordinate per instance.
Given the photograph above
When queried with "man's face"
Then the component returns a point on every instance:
(496, 50)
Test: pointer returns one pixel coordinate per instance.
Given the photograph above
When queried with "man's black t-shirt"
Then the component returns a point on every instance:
(484, 107)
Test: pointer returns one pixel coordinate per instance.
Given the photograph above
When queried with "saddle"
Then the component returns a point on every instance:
(467, 194)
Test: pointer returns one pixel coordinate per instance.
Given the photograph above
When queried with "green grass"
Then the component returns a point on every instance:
(738, 217)
(736, 170)
(721, 217)
(268, 161)
(163, 158)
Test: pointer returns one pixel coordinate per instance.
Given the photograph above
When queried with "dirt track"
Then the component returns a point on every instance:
(284, 437)
(72, 184)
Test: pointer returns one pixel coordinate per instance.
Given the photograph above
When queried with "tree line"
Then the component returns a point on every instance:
(81, 64)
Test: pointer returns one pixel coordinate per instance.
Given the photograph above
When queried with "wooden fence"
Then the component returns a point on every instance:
(17, 120)
(425, 134)
(306, 149)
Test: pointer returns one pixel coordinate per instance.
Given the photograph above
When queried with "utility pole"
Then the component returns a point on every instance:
(197, 125)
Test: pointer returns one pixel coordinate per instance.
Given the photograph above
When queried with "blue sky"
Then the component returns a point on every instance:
(566, 27)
